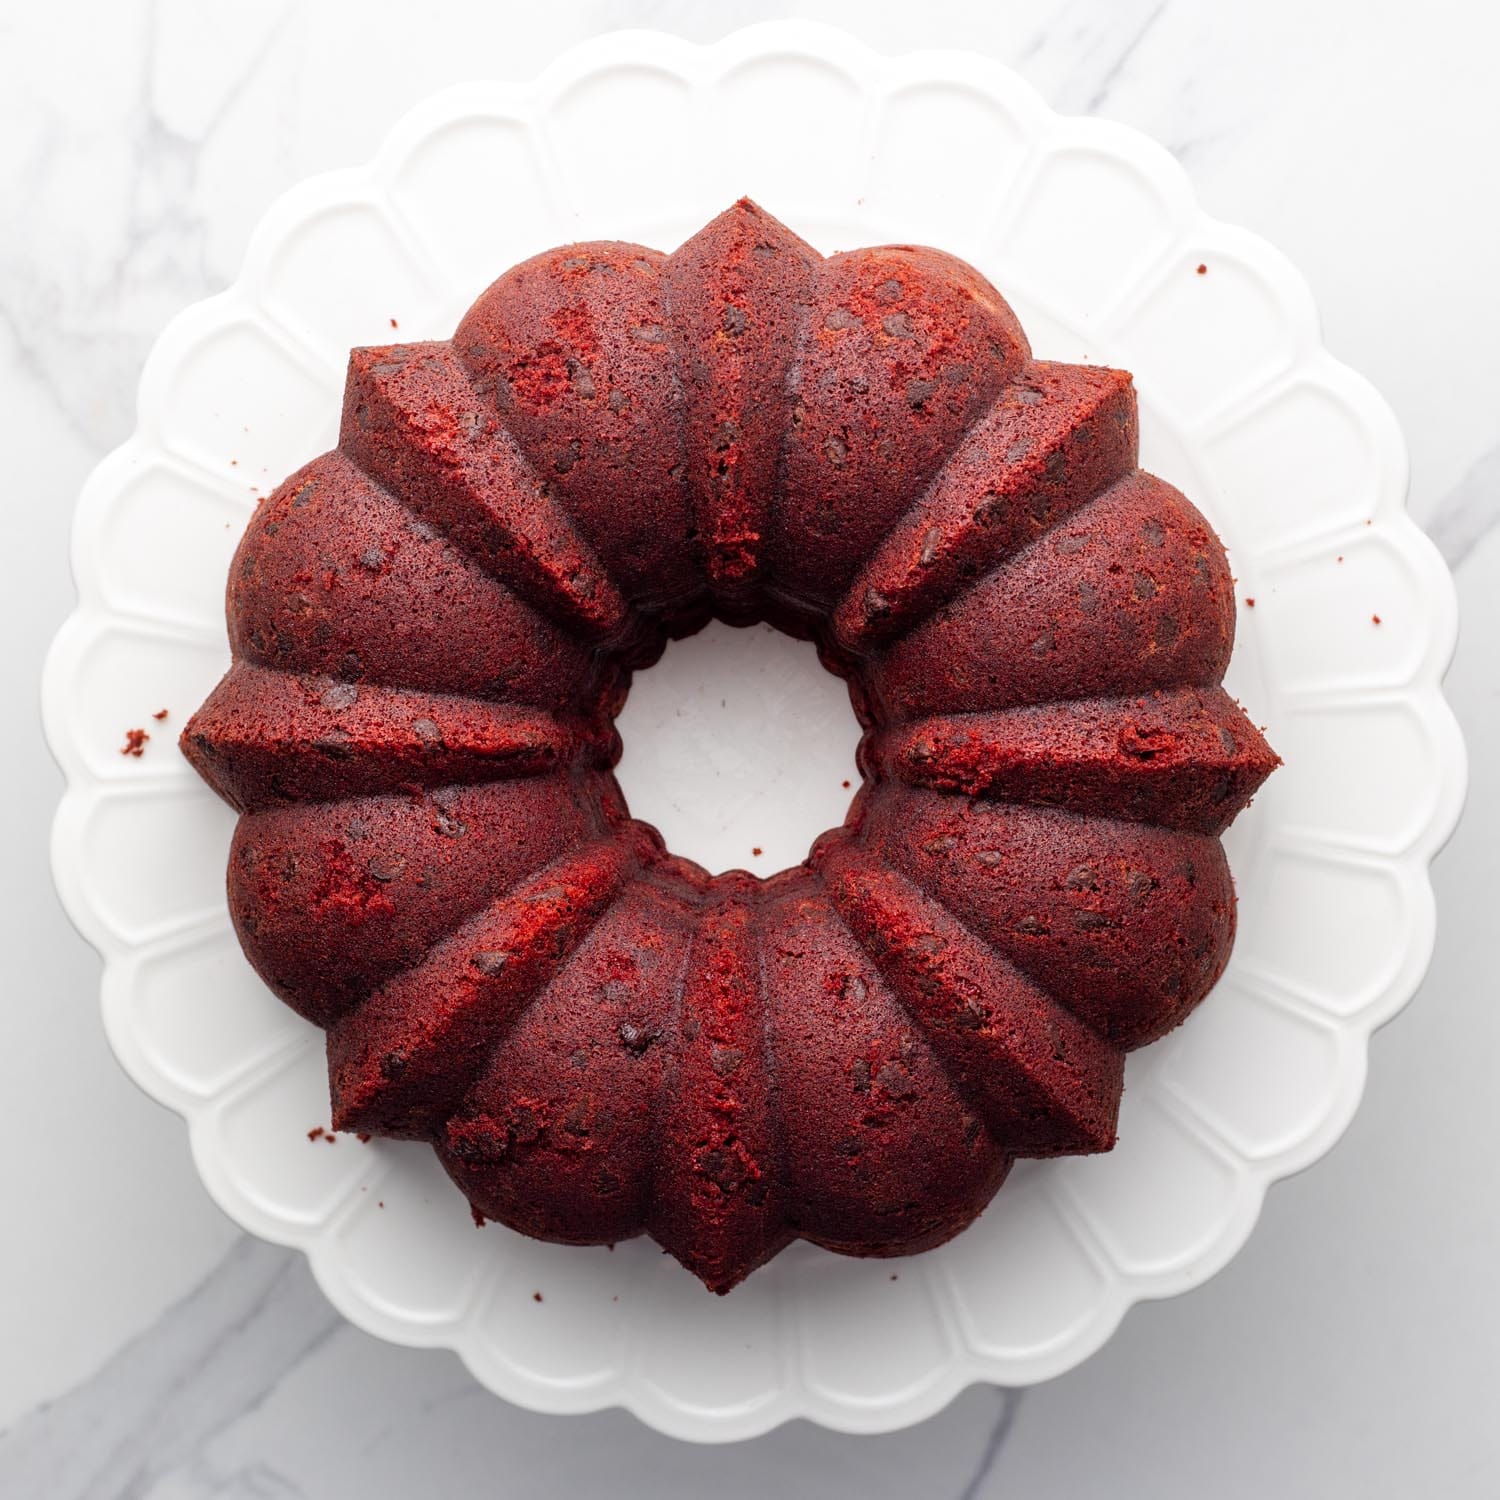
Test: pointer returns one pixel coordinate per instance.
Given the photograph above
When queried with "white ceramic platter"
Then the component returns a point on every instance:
(1093, 233)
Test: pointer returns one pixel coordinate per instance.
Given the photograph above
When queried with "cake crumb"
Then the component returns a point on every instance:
(846, 786)
(135, 743)
(1375, 618)
(477, 1217)
(159, 715)
(536, 1296)
(894, 1277)
(1202, 269)
(362, 1136)
(381, 1203)
(1249, 603)
(1340, 557)
(756, 850)
(394, 323)
(316, 1133)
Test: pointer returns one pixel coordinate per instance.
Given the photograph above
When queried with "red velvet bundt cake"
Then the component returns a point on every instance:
(434, 625)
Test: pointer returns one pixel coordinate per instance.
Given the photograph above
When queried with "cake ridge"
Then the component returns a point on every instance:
(883, 1155)
(323, 581)
(267, 736)
(361, 862)
(678, 406)
(1039, 1126)
(903, 349)
(791, 390)
(738, 292)
(718, 1208)
(660, 1100)
(1216, 760)
(879, 607)
(555, 609)
(766, 1056)
(377, 1093)
(565, 383)
(1083, 903)
(1039, 612)
(555, 568)
(562, 1117)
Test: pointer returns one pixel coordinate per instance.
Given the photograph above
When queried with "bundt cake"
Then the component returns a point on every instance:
(435, 624)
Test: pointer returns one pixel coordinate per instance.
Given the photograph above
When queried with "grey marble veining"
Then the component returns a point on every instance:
(1467, 513)
(252, 1385)
(152, 1352)
(149, 1412)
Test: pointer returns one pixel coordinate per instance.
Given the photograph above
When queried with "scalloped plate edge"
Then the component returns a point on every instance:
(826, 44)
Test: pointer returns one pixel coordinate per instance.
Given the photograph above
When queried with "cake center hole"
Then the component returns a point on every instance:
(740, 748)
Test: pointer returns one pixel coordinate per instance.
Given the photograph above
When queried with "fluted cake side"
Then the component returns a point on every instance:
(434, 626)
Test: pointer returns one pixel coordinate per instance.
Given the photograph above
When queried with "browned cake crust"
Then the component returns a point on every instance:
(435, 624)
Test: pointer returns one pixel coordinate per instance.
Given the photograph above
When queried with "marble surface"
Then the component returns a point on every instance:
(153, 1352)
